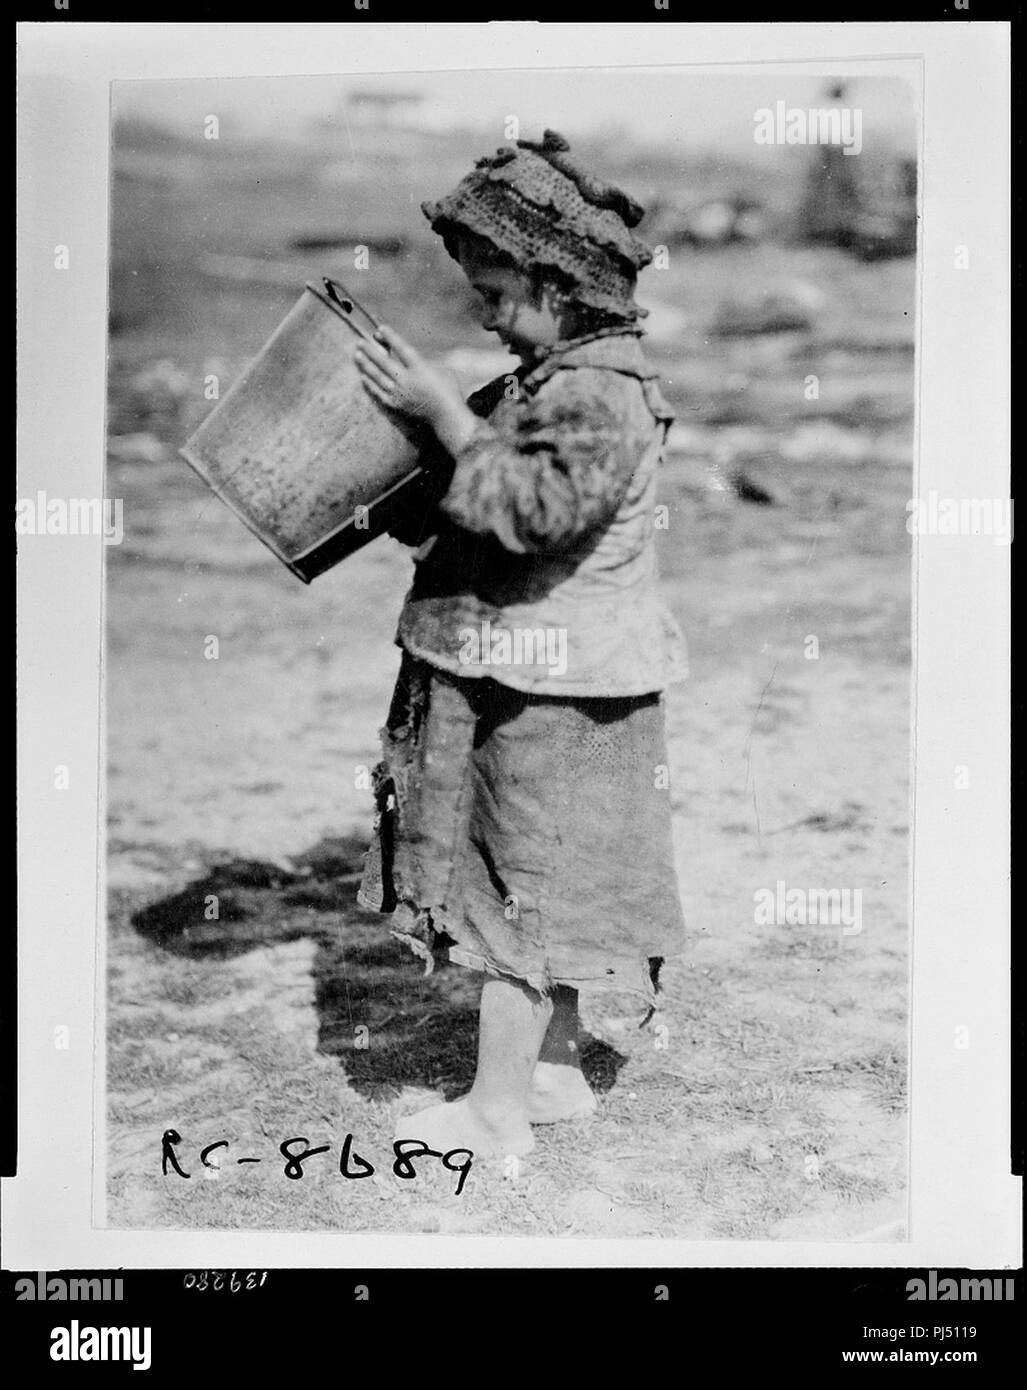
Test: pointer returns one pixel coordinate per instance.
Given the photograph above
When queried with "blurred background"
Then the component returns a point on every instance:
(783, 326)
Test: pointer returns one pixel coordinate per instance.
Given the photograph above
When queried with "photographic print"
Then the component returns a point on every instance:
(507, 652)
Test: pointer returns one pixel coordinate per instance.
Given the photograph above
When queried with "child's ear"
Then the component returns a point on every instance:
(552, 297)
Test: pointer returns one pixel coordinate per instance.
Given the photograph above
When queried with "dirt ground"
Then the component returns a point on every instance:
(767, 1098)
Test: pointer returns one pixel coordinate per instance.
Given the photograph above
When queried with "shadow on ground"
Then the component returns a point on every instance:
(391, 1026)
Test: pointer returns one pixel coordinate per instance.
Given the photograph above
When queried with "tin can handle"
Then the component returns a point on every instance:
(341, 296)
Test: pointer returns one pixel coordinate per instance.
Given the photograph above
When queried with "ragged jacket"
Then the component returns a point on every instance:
(539, 567)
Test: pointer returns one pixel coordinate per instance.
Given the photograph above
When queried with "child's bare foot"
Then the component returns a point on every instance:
(460, 1125)
(558, 1093)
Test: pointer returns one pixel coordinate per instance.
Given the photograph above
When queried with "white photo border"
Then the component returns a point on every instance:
(964, 1203)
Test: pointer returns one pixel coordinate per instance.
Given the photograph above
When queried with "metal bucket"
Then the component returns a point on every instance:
(298, 449)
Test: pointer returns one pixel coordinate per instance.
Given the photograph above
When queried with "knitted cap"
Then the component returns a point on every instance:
(532, 203)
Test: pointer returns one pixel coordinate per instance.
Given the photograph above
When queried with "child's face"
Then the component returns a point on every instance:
(509, 307)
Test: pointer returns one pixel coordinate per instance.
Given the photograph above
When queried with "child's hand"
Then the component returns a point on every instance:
(400, 379)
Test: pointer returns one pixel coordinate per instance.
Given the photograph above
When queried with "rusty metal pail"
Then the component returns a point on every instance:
(298, 449)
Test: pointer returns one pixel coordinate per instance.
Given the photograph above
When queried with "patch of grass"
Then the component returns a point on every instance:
(887, 1069)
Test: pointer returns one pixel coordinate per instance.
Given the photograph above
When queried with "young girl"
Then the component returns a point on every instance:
(523, 818)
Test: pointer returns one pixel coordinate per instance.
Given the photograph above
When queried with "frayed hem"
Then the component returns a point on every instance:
(542, 982)
(425, 931)
(419, 948)
(545, 983)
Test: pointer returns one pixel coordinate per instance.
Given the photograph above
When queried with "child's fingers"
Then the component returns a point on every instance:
(374, 352)
(398, 346)
(372, 371)
(374, 391)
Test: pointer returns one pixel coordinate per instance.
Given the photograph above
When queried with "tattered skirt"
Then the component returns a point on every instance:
(524, 835)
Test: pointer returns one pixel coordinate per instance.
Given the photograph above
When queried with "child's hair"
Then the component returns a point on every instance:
(531, 204)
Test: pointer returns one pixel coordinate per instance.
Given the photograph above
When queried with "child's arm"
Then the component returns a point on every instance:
(565, 472)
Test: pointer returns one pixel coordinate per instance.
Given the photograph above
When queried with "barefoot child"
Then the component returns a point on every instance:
(523, 821)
